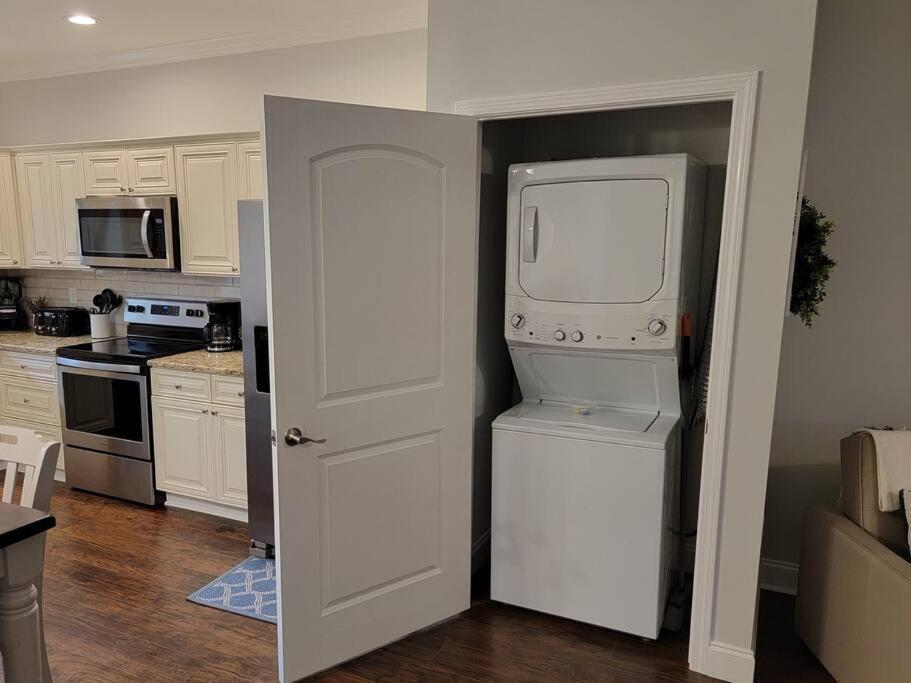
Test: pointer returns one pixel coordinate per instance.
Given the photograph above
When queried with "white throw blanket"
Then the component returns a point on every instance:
(893, 465)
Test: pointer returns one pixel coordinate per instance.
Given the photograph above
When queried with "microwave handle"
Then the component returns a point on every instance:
(144, 232)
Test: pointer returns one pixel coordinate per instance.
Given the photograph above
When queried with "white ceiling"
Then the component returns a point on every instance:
(36, 41)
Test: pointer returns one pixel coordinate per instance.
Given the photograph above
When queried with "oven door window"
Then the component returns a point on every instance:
(122, 233)
(102, 406)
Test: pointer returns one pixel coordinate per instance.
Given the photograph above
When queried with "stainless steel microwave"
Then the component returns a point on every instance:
(129, 232)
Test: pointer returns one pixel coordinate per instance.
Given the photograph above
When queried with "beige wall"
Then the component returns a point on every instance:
(851, 368)
(482, 48)
(222, 94)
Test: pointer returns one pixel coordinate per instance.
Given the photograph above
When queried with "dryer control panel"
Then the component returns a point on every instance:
(642, 330)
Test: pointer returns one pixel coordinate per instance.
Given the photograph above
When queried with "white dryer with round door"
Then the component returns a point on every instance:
(603, 265)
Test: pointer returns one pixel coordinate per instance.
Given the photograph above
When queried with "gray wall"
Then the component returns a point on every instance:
(851, 368)
(218, 95)
(486, 48)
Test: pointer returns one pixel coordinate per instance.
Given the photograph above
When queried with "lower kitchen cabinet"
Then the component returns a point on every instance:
(200, 446)
(181, 437)
(28, 395)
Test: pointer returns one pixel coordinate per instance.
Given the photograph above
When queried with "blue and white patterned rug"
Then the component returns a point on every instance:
(248, 589)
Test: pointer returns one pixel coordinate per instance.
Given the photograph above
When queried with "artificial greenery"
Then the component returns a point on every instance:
(812, 265)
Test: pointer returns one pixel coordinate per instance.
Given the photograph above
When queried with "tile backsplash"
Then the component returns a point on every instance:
(56, 285)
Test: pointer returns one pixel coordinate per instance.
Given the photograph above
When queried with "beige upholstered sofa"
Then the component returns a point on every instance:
(854, 590)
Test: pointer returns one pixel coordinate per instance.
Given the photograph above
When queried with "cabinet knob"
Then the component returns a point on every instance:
(15, 261)
(25, 400)
(233, 269)
(123, 189)
(215, 412)
(205, 411)
(178, 387)
(240, 393)
(23, 367)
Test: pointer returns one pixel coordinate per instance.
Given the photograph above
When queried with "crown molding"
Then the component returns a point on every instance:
(409, 18)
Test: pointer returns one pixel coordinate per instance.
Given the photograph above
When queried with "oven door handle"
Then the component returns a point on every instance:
(144, 232)
(104, 367)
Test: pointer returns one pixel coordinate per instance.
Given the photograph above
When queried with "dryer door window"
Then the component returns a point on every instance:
(599, 241)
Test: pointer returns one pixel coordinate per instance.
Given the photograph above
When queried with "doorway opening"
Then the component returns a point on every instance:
(702, 130)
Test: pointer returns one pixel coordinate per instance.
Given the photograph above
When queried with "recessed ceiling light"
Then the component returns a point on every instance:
(81, 19)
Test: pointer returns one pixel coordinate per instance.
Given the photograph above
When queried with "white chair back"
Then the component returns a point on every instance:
(23, 449)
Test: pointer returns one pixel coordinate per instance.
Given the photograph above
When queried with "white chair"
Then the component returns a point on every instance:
(22, 450)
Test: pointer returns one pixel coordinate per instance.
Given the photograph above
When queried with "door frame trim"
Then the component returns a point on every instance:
(706, 655)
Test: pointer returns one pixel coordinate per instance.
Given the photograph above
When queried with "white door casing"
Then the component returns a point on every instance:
(706, 654)
(371, 251)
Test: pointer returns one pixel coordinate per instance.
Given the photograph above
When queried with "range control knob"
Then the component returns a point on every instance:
(131, 308)
(559, 335)
(517, 320)
(577, 336)
(657, 327)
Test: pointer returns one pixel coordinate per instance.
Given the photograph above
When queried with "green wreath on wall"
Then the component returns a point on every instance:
(812, 265)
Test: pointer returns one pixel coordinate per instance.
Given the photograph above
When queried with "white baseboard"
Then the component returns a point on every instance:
(729, 663)
(778, 576)
(205, 506)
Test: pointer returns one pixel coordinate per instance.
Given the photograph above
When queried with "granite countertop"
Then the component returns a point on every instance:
(224, 363)
(26, 341)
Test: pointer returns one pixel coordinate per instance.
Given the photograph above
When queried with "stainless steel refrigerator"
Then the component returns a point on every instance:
(254, 319)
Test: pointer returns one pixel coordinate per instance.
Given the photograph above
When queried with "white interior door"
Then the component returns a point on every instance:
(596, 241)
(371, 241)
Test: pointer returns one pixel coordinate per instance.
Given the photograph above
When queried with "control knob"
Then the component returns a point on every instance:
(559, 335)
(517, 320)
(577, 336)
(657, 327)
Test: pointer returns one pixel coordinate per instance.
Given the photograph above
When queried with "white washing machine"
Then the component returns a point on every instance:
(603, 265)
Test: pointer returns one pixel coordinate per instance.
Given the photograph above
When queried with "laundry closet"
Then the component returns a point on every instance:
(477, 358)
(598, 248)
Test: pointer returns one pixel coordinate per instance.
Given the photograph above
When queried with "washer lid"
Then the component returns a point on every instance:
(617, 380)
(600, 241)
(599, 419)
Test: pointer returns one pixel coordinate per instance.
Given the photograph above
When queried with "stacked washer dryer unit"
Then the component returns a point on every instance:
(603, 265)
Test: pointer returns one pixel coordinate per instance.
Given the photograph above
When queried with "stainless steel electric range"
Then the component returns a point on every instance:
(104, 398)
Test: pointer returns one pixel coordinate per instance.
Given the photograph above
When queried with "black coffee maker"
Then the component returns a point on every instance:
(12, 315)
(222, 333)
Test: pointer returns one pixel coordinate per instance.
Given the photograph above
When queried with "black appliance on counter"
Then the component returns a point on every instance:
(105, 405)
(257, 412)
(61, 321)
(12, 315)
(222, 333)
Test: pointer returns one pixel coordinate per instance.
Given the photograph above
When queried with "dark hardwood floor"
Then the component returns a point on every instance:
(117, 576)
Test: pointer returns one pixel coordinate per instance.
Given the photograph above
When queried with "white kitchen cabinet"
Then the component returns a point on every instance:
(151, 171)
(140, 171)
(181, 436)
(48, 186)
(230, 455)
(200, 440)
(207, 195)
(36, 210)
(28, 395)
(10, 250)
(67, 185)
(250, 175)
(105, 172)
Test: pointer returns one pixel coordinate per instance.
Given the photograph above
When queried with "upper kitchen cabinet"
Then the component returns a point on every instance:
(10, 252)
(250, 177)
(207, 192)
(48, 186)
(141, 170)
(67, 185)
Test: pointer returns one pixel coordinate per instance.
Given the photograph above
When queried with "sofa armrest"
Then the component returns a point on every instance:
(853, 601)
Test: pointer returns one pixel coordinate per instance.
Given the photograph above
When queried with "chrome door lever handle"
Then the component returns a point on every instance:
(294, 437)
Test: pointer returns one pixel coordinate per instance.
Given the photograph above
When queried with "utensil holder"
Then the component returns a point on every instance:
(102, 325)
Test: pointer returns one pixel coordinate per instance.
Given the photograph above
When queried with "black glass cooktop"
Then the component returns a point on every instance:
(126, 350)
